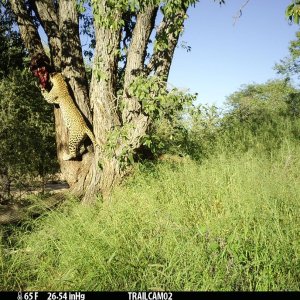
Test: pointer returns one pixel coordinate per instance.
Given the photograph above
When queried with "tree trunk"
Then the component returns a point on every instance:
(72, 67)
(27, 28)
(104, 170)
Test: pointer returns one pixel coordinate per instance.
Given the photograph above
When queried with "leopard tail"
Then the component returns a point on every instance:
(92, 137)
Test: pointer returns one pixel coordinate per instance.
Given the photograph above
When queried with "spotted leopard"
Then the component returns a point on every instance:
(72, 118)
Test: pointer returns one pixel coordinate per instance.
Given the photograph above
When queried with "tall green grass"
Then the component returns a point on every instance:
(229, 223)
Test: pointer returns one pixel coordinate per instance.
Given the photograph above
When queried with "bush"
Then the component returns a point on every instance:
(27, 137)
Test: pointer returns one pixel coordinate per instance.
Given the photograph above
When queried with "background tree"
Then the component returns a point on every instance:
(261, 116)
(12, 49)
(27, 141)
(132, 56)
(289, 66)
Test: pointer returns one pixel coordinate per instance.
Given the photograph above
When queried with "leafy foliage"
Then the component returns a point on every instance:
(262, 116)
(289, 67)
(12, 50)
(27, 141)
(167, 110)
(203, 131)
(258, 117)
(293, 12)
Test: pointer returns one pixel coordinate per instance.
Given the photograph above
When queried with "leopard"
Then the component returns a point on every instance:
(72, 118)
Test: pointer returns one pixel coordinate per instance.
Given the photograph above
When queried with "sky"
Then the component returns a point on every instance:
(224, 55)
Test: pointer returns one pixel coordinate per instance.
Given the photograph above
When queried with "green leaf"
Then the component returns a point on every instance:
(289, 10)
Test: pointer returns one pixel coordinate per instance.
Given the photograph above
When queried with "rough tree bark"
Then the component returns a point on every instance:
(103, 104)
(99, 170)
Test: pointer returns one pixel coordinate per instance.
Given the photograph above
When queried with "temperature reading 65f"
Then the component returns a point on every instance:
(28, 296)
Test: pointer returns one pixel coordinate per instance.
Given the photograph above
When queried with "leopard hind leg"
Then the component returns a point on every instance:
(75, 138)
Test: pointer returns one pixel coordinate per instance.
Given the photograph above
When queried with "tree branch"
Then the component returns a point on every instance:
(27, 29)
(72, 63)
(103, 82)
(138, 47)
(161, 59)
(240, 12)
(136, 56)
(47, 15)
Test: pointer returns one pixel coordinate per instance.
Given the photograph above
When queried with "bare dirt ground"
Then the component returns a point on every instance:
(16, 209)
(56, 187)
(51, 187)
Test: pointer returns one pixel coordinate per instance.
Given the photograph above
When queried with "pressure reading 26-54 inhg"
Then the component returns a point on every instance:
(51, 296)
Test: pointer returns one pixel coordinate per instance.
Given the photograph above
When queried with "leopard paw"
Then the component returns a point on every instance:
(67, 156)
